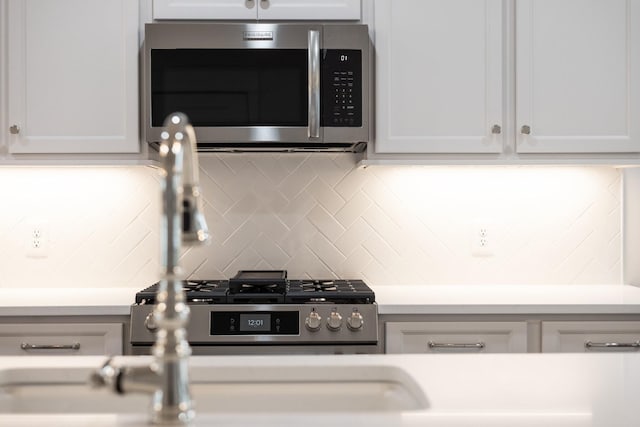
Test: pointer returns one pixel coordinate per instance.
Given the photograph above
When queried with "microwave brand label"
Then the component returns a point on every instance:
(258, 35)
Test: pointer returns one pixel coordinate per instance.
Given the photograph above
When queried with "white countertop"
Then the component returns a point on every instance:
(497, 390)
(508, 299)
(391, 299)
(66, 301)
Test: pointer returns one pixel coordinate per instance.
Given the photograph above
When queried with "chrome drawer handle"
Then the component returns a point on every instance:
(475, 346)
(26, 346)
(590, 344)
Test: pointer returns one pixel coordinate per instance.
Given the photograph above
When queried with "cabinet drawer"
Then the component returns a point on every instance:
(456, 337)
(61, 339)
(581, 337)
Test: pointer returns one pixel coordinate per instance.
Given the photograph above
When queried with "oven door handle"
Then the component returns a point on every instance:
(314, 84)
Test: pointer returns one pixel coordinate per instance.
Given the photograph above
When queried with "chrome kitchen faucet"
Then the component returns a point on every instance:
(167, 379)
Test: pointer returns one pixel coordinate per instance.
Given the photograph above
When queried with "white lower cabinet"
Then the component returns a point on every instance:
(456, 337)
(25, 339)
(582, 337)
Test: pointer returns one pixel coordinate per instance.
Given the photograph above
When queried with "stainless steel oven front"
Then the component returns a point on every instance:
(274, 86)
(268, 329)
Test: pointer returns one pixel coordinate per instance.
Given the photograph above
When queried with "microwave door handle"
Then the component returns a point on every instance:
(314, 84)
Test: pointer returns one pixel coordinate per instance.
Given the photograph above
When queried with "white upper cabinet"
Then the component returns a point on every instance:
(550, 77)
(578, 76)
(257, 9)
(72, 76)
(439, 76)
(205, 9)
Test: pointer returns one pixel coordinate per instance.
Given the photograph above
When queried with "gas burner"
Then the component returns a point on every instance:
(200, 285)
(319, 286)
(196, 291)
(329, 292)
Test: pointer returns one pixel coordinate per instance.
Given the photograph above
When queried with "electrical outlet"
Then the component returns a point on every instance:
(37, 240)
(481, 239)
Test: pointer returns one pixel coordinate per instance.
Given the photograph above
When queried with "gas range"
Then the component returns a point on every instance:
(262, 311)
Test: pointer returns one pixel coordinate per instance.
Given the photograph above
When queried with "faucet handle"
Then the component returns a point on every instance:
(105, 376)
(194, 226)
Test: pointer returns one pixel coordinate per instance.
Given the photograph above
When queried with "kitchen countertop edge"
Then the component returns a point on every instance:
(508, 299)
(391, 300)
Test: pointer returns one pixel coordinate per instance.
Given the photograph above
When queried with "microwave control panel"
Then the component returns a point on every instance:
(341, 88)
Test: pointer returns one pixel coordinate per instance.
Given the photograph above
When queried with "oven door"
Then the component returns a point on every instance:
(237, 83)
(261, 329)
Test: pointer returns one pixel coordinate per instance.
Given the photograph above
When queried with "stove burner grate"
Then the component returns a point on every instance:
(196, 291)
(200, 285)
(329, 292)
(319, 286)
(269, 291)
(256, 293)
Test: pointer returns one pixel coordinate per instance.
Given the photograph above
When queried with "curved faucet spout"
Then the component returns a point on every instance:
(182, 221)
(185, 221)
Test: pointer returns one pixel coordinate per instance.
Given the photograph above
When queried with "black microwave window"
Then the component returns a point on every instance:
(230, 87)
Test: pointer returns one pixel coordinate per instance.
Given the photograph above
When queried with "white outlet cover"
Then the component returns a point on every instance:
(482, 237)
(36, 239)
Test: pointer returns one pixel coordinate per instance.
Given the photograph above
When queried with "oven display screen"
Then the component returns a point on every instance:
(255, 322)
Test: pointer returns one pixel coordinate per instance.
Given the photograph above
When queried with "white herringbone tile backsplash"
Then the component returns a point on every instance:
(317, 215)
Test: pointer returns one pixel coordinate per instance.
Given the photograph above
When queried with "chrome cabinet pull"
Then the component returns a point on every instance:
(496, 130)
(14, 130)
(437, 345)
(525, 130)
(314, 84)
(26, 346)
(590, 344)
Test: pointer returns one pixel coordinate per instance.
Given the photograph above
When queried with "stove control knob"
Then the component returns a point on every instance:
(313, 321)
(355, 321)
(334, 322)
(150, 322)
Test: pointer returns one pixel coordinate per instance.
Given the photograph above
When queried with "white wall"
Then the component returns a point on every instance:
(101, 226)
(316, 215)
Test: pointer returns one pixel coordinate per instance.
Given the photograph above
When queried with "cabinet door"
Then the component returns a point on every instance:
(583, 337)
(456, 337)
(578, 76)
(205, 9)
(73, 79)
(439, 76)
(78, 339)
(309, 9)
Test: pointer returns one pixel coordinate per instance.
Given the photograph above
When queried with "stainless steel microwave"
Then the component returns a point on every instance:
(260, 87)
